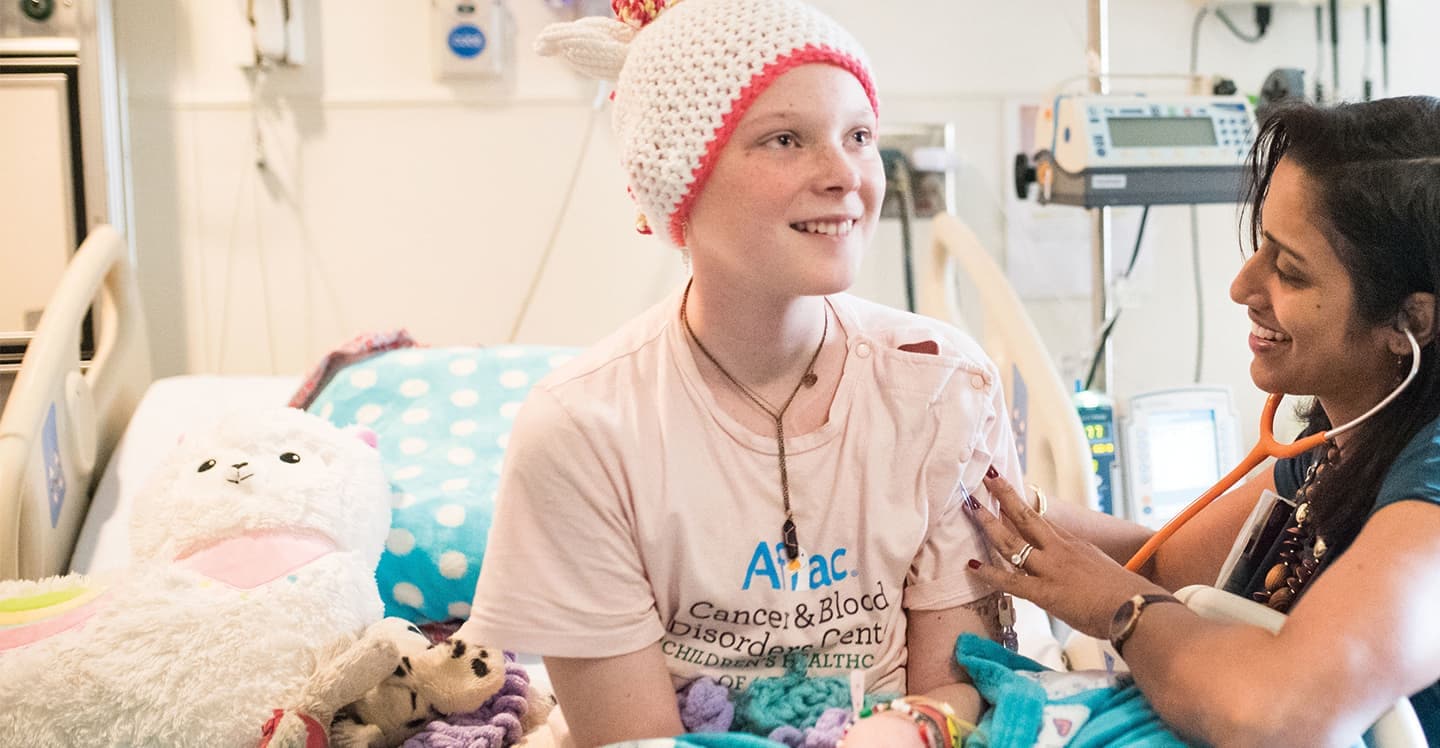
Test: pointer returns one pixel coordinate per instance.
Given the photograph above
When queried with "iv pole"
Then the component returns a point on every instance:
(1097, 54)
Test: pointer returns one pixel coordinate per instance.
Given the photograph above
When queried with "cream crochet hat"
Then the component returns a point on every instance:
(685, 73)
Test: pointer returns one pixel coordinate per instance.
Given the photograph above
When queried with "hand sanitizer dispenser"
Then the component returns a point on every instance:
(470, 39)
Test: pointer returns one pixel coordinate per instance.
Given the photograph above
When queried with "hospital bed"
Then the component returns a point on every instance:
(77, 440)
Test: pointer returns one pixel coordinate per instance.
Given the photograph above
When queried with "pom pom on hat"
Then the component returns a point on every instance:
(686, 72)
(637, 13)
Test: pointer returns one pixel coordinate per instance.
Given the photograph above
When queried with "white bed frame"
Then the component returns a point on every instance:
(91, 404)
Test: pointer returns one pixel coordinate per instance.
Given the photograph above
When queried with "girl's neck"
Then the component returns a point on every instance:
(764, 342)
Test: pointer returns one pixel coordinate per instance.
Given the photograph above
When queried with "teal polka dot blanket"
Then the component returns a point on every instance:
(443, 416)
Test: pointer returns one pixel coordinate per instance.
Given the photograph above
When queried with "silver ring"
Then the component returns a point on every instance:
(1021, 556)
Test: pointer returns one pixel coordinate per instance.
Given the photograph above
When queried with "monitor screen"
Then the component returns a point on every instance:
(1184, 454)
(1161, 132)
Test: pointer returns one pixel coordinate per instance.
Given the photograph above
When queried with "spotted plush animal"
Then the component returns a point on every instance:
(253, 571)
(455, 676)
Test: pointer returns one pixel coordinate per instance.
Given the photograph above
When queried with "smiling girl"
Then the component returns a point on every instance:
(761, 472)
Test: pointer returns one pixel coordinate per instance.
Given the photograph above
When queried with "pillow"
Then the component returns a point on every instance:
(443, 416)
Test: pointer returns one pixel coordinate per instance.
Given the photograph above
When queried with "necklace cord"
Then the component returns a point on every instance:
(787, 533)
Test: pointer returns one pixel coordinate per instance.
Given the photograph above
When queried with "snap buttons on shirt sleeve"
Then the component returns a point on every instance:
(977, 381)
(862, 350)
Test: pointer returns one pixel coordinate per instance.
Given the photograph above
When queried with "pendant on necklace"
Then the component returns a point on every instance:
(809, 379)
(792, 543)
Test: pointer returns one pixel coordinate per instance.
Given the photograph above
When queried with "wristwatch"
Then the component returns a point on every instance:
(1122, 625)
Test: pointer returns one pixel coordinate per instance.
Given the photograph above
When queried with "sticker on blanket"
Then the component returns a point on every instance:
(54, 469)
(1061, 721)
(1064, 684)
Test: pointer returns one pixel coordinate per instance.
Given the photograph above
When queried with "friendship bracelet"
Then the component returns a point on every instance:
(936, 721)
(955, 728)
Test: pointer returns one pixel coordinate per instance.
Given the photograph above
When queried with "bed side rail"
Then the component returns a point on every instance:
(62, 419)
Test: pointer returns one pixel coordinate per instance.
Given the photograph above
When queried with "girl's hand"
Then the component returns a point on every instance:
(1072, 579)
(884, 730)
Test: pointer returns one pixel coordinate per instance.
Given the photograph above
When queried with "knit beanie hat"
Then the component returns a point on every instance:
(685, 73)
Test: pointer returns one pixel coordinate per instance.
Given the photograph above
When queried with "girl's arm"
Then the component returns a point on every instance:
(610, 699)
(931, 671)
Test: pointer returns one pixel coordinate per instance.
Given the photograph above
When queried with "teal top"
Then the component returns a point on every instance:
(1414, 476)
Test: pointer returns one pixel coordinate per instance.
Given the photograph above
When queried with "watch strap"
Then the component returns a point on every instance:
(1137, 605)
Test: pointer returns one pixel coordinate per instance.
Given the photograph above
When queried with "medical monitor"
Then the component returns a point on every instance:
(1175, 444)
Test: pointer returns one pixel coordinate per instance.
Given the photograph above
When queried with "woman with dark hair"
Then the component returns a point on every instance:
(1345, 220)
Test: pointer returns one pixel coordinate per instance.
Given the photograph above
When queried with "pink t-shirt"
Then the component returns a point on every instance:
(632, 509)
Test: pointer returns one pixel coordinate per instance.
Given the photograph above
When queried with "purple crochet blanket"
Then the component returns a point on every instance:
(496, 724)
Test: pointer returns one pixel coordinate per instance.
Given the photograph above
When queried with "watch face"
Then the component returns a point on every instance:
(1123, 614)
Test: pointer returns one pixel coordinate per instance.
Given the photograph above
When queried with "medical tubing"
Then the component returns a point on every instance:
(1199, 291)
(1335, 48)
(1110, 323)
(1235, 28)
(560, 217)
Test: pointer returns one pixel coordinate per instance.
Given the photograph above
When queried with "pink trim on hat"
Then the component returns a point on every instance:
(757, 85)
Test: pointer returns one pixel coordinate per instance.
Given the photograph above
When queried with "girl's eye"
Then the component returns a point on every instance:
(290, 457)
(206, 465)
(862, 137)
(783, 140)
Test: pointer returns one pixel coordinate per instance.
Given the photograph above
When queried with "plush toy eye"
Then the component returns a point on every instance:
(290, 457)
(206, 465)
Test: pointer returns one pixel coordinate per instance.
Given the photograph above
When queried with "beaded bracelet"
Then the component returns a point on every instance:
(955, 729)
(935, 720)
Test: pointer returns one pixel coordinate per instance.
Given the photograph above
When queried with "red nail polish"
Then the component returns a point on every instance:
(974, 564)
(992, 473)
(971, 503)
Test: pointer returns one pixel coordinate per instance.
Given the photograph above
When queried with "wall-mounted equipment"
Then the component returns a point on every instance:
(43, 196)
(277, 32)
(1139, 150)
(469, 38)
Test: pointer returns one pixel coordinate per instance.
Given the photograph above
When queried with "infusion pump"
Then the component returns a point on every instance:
(1097, 150)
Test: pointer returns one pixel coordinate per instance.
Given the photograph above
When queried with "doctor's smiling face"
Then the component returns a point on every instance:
(1306, 334)
(795, 193)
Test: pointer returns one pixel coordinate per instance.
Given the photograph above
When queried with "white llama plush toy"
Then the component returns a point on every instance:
(252, 580)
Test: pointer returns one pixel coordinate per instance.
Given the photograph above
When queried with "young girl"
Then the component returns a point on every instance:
(761, 472)
(1341, 296)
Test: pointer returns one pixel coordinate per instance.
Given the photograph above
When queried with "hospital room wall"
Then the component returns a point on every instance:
(389, 199)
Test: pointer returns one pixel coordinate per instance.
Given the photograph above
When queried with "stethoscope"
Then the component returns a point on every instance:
(1265, 448)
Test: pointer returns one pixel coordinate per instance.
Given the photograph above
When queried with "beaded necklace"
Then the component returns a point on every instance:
(788, 534)
(1302, 552)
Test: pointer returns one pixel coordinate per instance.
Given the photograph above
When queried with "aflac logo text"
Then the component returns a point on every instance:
(769, 566)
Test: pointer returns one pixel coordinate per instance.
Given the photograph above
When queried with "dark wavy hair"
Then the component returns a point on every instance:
(1375, 171)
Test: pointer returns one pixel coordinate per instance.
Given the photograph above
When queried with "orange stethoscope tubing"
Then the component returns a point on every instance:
(1267, 447)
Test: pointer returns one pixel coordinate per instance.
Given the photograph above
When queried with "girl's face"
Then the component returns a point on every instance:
(795, 193)
(1306, 335)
